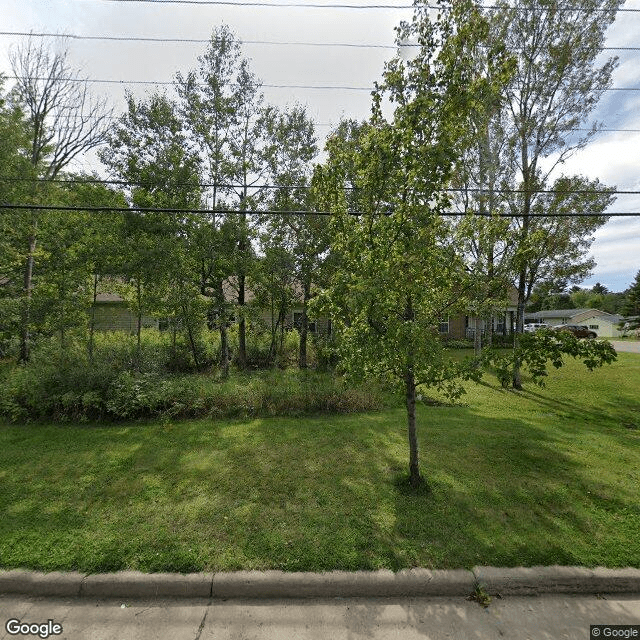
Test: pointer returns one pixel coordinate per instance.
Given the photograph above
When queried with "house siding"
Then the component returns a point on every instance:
(115, 316)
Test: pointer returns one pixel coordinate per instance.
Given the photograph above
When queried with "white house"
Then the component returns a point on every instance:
(603, 323)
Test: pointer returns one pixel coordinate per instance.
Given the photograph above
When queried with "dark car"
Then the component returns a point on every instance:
(578, 330)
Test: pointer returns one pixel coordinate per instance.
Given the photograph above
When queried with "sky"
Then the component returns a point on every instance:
(612, 157)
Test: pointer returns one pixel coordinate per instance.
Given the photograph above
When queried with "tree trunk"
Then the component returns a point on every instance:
(517, 375)
(221, 313)
(192, 342)
(410, 395)
(139, 324)
(224, 348)
(522, 272)
(92, 321)
(304, 328)
(477, 338)
(242, 250)
(26, 292)
(242, 325)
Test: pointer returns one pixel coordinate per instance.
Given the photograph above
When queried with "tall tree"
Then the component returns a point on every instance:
(14, 188)
(399, 271)
(151, 152)
(222, 103)
(631, 307)
(557, 83)
(65, 121)
(292, 148)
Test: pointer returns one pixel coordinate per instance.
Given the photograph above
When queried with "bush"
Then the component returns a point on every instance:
(325, 350)
(67, 386)
(455, 343)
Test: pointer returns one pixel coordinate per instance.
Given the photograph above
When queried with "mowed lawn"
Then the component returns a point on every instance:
(545, 476)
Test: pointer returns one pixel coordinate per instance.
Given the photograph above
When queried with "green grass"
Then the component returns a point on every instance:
(545, 476)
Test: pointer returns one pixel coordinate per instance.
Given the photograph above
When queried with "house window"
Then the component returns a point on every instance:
(594, 326)
(443, 326)
(297, 322)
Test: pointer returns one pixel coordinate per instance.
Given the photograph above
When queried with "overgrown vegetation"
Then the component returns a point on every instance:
(157, 378)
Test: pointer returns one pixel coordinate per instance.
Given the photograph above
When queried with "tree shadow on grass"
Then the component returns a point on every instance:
(319, 494)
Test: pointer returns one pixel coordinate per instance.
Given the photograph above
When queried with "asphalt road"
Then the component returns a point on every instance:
(629, 346)
(551, 617)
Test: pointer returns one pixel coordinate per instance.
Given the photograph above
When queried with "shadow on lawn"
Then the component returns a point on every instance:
(503, 493)
(315, 494)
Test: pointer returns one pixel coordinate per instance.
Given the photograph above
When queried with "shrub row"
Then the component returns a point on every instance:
(120, 383)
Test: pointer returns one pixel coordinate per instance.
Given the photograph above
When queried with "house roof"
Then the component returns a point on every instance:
(572, 314)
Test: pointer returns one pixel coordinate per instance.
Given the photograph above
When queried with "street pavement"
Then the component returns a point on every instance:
(546, 617)
(628, 346)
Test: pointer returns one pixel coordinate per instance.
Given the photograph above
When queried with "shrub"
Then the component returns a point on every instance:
(326, 352)
(67, 386)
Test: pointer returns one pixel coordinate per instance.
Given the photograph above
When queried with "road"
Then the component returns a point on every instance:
(628, 346)
(515, 618)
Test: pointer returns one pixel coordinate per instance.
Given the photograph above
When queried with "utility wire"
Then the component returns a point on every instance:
(355, 45)
(271, 212)
(270, 86)
(209, 185)
(339, 6)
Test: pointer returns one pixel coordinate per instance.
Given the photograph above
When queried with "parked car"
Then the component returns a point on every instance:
(578, 330)
(532, 327)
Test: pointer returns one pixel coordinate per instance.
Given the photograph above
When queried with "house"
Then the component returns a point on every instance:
(112, 313)
(603, 323)
(502, 321)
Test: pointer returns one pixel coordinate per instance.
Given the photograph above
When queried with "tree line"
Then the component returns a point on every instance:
(477, 120)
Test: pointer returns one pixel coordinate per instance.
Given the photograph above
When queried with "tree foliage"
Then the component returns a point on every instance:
(399, 273)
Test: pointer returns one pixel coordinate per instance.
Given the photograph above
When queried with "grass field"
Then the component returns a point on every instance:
(544, 476)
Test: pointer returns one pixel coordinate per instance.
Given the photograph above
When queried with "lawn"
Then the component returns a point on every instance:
(545, 476)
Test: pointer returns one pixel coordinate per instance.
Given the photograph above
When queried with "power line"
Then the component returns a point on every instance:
(293, 187)
(93, 209)
(338, 6)
(269, 86)
(354, 45)
(170, 83)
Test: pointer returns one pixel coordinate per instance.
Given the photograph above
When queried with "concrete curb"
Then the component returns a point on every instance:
(556, 579)
(279, 584)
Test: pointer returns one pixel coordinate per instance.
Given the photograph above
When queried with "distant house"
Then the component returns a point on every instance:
(603, 323)
(464, 326)
(113, 314)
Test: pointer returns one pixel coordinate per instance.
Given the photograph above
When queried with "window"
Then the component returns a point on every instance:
(594, 326)
(443, 327)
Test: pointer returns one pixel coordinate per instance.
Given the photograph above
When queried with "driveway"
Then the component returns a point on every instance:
(628, 346)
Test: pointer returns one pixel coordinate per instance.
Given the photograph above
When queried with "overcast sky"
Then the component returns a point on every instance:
(613, 158)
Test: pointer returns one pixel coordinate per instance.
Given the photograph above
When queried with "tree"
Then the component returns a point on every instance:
(16, 171)
(292, 147)
(399, 273)
(557, 83)
(64, 120)
(222, 103)
(631, 307)
(150, 151)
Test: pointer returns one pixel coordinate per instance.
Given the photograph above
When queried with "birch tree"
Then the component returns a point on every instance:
(65, 121)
